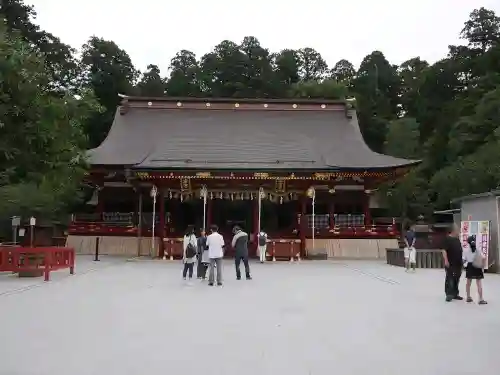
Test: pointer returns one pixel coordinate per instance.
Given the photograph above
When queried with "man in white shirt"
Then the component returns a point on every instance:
(215, 244)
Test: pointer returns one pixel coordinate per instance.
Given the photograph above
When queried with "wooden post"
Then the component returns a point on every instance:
(161, 229)
(303, 225)
(256, 224)
(139, 225)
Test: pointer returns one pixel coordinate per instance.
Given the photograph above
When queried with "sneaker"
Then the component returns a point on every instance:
(249, 277)
(469, 300)
(449, 299)
(458, 298)
(483, 302)
(238, 277)
(219, 284)
(210, 284)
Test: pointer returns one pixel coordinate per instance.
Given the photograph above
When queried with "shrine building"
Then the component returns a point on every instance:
(297, 168)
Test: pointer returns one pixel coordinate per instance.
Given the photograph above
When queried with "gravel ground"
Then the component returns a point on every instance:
(353, 317)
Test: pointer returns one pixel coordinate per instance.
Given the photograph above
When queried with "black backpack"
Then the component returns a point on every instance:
(190, 250)
(262, 240)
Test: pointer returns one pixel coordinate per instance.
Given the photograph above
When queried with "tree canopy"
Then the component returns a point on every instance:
(56, 103)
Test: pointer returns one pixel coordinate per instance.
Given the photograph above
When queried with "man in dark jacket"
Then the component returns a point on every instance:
(240, 246)
(453, 264)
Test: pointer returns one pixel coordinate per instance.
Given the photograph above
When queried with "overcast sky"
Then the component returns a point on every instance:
(152, 31)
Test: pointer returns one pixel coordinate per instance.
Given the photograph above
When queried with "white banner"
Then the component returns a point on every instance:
(481, 229)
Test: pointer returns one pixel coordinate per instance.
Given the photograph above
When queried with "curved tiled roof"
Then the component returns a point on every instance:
(182, 138)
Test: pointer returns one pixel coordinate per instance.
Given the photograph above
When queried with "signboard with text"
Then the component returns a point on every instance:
(481, 229)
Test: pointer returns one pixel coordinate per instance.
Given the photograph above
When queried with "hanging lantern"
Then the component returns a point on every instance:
(211, 195)
(241, 196)
(232, 197)
(220, 195)
(170, 195)
(182, 198)
(281, 200)
(251, 196)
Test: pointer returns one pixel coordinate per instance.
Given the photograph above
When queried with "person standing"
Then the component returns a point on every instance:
(203, 260)
(215, 244)
(189, 254)
(410, 252)
(476, 262)
(240, 246)
(262, 245)
(453, 263)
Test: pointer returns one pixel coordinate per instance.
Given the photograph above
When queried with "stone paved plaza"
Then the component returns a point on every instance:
(118, 317)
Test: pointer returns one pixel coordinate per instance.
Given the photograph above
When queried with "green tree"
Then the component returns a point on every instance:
(223, 71)
(482, 30)
(312, 65)
(343, 71)
(185, 76)
(41, 134)
(59, 58)
(287, 67)
(403, 139)
(377, 90)
(107, 71)
(151, 83)
(327, 89)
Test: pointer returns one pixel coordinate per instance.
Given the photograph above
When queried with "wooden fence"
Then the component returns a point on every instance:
(426, 258)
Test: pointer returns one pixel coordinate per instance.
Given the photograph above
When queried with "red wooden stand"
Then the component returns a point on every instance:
(46, 259)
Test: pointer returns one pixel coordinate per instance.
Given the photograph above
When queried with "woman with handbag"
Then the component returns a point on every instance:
(475, 263)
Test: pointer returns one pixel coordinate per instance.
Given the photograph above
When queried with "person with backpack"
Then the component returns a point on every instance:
(475, 263)
(262, 245)
(189, 245)
(203, 259)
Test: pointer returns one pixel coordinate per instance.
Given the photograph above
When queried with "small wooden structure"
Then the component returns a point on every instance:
(36, 260)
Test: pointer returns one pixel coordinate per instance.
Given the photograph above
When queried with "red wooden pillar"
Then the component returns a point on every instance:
(368, 216)
(255, 223)
(303, 225)
(161, 230)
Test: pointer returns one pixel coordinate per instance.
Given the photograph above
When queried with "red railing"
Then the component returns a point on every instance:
(44, 259)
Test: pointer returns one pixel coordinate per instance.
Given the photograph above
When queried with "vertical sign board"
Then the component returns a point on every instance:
(481, 229)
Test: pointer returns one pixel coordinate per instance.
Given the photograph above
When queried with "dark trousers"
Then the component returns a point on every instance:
(451, 281)
(237, 261)
(201, 270)
(188, 267)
